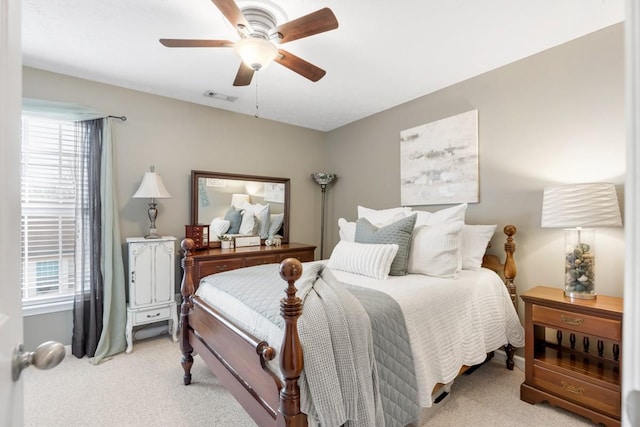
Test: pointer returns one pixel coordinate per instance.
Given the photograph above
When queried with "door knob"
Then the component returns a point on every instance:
(47, 355)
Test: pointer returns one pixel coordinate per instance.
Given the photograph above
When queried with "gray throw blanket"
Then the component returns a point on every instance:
(339, 383)
(341, 380)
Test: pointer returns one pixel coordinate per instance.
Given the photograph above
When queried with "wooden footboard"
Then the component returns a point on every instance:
(239, 360)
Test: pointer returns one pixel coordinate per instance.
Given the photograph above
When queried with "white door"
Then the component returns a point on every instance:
(10, 306)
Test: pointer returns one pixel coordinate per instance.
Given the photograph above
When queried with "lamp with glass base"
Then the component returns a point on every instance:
(577, 208)
(152, 188)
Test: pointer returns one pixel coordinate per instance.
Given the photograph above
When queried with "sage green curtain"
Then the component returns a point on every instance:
(112, 338)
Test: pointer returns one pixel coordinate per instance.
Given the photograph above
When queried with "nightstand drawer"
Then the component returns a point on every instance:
(152, 315)
(583, 393)
(259, 260)
(582, 323)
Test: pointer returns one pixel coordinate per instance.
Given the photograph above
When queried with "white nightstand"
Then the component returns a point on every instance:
(151, 284)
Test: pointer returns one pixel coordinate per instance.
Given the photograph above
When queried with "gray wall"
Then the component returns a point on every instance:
(177, 137)
(551, 118)
(556, 117)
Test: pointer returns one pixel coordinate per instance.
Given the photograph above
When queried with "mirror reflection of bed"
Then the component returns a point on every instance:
(240, 205)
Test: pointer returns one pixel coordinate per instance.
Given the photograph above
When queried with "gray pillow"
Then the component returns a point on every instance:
(399, 233)
(234, 216)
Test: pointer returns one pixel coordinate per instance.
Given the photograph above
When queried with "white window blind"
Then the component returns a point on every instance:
(48, 225)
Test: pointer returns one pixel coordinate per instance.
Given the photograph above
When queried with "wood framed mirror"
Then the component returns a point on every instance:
(213, 193)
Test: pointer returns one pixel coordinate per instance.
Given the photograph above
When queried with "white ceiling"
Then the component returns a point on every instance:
(383, 53)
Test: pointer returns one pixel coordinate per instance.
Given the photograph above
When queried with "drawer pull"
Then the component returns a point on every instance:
(150, 316)
(221, 267)
(572, 388)
(575, 321)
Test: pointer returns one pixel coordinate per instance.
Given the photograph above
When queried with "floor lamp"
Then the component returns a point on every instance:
(323, 179)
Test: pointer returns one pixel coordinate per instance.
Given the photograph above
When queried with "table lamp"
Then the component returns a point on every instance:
(152, 188)
(577, 208)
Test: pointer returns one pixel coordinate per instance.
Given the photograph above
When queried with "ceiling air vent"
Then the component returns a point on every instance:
(220, 96)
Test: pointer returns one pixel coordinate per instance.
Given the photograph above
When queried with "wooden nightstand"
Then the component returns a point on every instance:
(572, 353)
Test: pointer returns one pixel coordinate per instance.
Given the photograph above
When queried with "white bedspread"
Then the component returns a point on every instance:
(451, 322)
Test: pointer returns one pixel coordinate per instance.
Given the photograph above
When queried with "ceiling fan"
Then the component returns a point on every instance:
(259, 34)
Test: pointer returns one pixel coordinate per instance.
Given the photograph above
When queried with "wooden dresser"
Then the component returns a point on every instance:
(572, 353)
(217, 260)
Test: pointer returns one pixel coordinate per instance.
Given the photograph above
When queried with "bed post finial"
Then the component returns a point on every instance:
(187, 289)
(510, 270)
(291, 360)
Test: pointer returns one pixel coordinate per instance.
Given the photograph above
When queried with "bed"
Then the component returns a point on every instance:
(265, 375)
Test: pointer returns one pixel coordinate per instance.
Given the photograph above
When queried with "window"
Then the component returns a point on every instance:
(47, 276)
(50, 165)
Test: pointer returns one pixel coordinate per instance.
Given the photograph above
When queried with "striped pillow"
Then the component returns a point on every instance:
(364, 259)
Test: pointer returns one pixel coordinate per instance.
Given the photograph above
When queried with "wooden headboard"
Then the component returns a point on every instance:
(507, 270)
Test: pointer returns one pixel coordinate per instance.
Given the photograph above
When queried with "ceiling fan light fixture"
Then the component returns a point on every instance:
(256, 53)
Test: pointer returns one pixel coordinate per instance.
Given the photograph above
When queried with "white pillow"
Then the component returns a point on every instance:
(249, 224)
(435, 249)
(275, 222)
(371, 260)
(263, 217)
(383, 217)
(475, 239)
(255, 219)
(346, 230)
(454, 213)
(218, 227)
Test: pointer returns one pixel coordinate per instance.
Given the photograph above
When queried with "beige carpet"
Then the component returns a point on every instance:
(144, 388)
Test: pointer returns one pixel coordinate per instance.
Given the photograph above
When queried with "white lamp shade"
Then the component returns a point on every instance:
(238, 200)
(151, 187)
(581, 205)
(256, 53)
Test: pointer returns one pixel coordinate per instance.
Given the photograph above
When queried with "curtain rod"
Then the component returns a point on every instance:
(123, 118)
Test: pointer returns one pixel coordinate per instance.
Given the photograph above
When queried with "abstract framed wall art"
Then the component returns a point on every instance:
(439, 161)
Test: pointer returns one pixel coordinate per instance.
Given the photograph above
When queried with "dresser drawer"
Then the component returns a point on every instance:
(582, 323)
(259, 260)
(302, 256)
(581, 392)
(218, 266)
(152, 315)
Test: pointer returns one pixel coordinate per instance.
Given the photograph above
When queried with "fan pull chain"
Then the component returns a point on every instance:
(256, 114)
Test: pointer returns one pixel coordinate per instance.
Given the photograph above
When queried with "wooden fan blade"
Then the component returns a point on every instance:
(300, 66)
(314, 23)
(195, 43)
(244, 75)
(232, 12)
